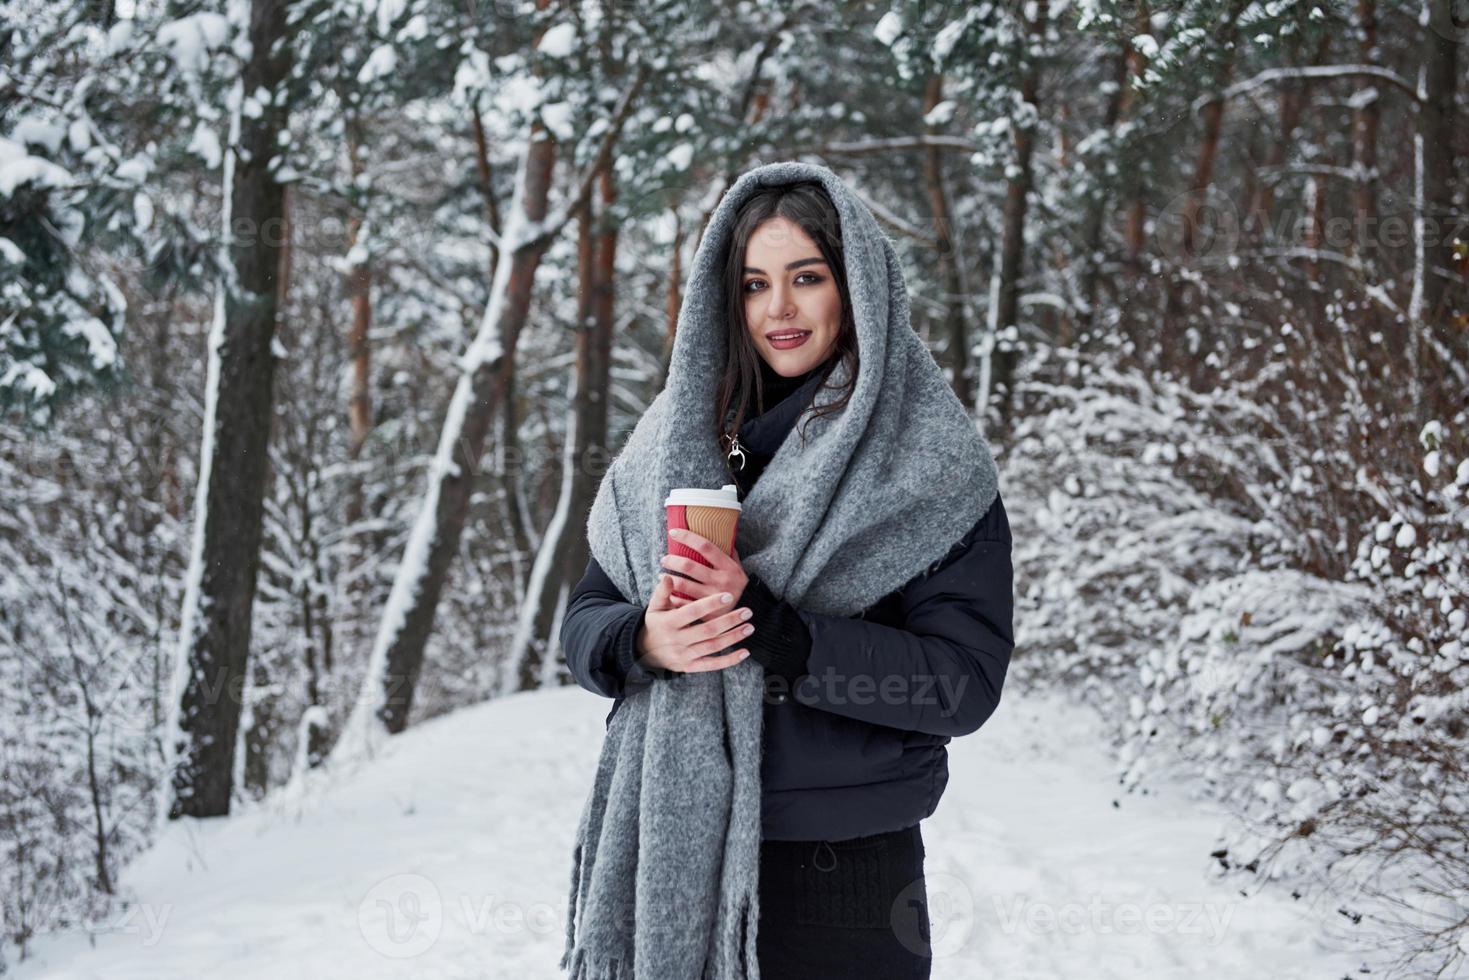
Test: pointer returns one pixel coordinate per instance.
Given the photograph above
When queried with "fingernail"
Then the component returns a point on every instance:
(726, 598)
(676, 532)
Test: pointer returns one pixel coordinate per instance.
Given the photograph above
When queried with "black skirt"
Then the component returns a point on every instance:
(846, 909)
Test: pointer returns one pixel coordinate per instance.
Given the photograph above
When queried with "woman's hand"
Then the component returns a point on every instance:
(677, 637)
(724, 573)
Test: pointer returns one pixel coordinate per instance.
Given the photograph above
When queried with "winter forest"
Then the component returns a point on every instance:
(320, 321)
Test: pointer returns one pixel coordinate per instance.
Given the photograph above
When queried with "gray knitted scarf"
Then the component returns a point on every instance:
(667, 859)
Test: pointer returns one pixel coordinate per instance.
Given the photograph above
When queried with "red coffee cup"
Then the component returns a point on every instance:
(715, 514)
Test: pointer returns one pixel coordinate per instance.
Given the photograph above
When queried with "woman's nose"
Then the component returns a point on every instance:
(780, 305)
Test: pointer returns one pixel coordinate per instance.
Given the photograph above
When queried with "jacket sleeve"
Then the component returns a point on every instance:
(781, 643)
(941, 673)
(599, 637)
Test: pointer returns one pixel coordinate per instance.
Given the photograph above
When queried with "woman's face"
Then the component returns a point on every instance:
(789, 289)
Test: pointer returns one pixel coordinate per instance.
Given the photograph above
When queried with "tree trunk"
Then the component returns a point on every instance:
(594, 367)
(1262, 205)
(486, 183)
(316, 619)
(1137, 212)
(1017, 199)
(563, 550)
(1172, 350)
(360, 546)
(101, 864)
(485, 371)
(1364, 124)
(544, 590)
(215, 633)
(511, 466)
(594, 377)
(1435, 228)
(403, 634)
(1439, 78)
(509, 458)
(950, 275)
(1316, 186)
(1097, 213)
(359, 288)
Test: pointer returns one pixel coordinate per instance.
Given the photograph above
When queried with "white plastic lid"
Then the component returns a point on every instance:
(726, 496)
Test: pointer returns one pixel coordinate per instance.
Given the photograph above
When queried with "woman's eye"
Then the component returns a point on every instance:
(810, 278)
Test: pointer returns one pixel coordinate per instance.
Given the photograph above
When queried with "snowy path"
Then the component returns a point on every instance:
(463, 832)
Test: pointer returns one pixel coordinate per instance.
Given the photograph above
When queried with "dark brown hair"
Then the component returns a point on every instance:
(806, 204)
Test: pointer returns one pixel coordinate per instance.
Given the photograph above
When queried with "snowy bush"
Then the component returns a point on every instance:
(1170, 571)
(87, 589)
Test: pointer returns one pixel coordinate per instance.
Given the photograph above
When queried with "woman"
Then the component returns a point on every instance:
(873, 605)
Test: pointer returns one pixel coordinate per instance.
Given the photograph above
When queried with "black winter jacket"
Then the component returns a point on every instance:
(858, 710)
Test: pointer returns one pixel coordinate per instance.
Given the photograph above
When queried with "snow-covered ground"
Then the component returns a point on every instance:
(449, 856)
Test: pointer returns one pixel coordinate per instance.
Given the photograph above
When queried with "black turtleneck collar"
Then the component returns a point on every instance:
(778, 388)
(763, 434)
(786, 399)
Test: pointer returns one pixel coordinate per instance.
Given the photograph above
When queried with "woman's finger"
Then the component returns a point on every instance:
(714, 661)
(723, 632)
(662, 593)
(713, 556)
(697, 590)
(678, 602)
(695, 571)
(709, 605)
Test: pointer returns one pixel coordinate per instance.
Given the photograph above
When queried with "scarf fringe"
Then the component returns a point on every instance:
(735, 949)
(571, 906)
(603, 951)
(579, 964)
(583, 967)
(750, 922)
